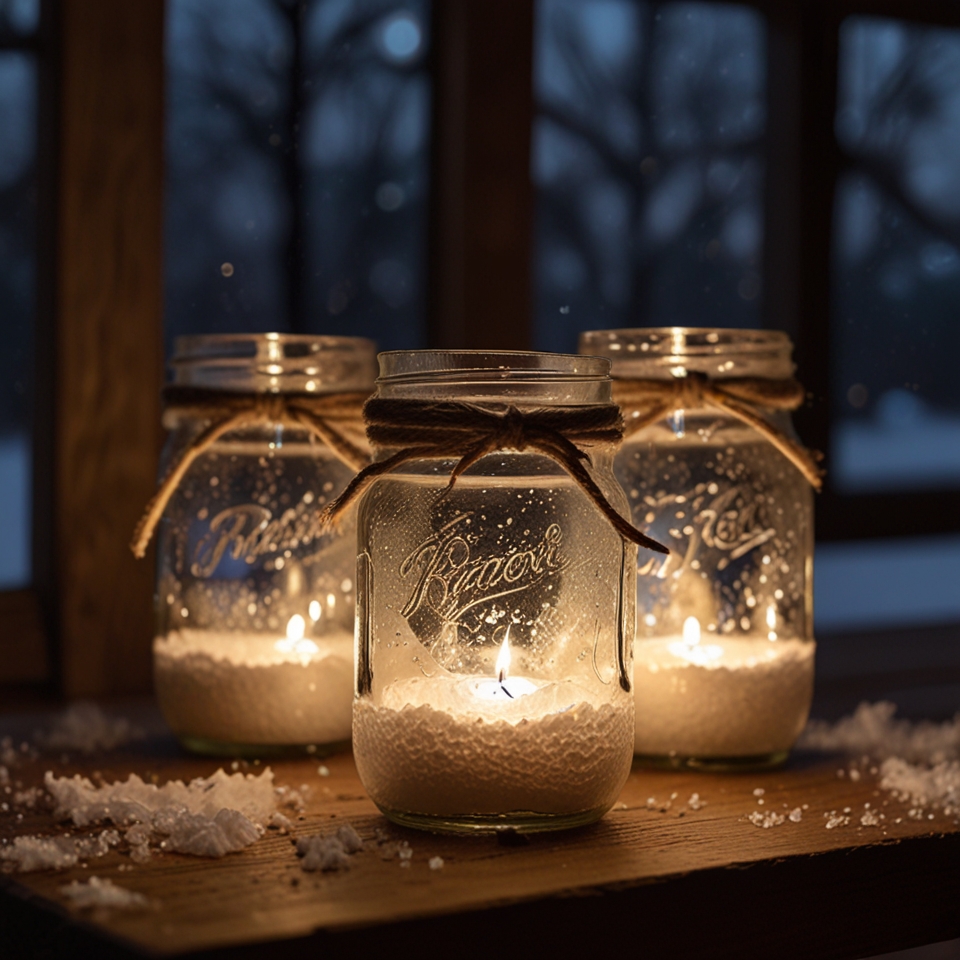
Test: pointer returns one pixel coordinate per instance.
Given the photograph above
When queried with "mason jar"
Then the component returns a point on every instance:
(254, 605)
(494, 617)
(724, 651)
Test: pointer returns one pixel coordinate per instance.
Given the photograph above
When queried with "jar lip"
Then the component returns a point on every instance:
(274, 362)
(228, 347)
(684, 341)
(411, 366)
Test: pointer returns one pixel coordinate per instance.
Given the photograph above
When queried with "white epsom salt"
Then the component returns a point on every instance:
(872, 730)
(97, 893)
(85, 727)
(766, 820)
(27, 854)
(331, 852)
(77, 799)
(447, 762)
(252, 688)
(208, 817)
(937, 786)
(435, 863)
(750, 700)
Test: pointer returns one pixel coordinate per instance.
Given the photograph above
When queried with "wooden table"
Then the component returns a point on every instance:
(656, 877)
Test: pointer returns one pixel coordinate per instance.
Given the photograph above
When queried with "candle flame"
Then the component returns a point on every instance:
(772, 622)
(691, 631)
(295, 642)
(315, 610)
(296, 627)
(503, 658)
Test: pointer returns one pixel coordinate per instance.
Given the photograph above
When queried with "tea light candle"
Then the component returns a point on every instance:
(256, 688)
(720, 697)
(448, 746)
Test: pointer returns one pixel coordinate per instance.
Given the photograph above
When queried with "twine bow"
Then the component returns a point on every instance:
(427, 430)
(318, 415)
(644, 402)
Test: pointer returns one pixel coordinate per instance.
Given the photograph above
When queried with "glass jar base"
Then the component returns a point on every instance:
(767, 761)
(516, 822)
(259, 751)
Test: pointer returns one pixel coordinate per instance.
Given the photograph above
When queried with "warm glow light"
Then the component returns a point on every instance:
(296, 627)
(691, 631)
(315, 610)
(502, 667)
(772, 622)
(306, 650)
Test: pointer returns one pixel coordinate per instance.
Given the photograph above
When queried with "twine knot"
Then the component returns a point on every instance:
(323, 416)
(465, 432)
(646, 401)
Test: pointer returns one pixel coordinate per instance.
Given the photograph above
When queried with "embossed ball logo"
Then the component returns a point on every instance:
(471, 582)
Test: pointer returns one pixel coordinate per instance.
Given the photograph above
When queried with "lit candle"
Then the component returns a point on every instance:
(222, 687)
(448, 745)
(729, 697)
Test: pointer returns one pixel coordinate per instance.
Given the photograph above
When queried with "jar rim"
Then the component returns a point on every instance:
(412, 366)
(687, 341)
(274, 362)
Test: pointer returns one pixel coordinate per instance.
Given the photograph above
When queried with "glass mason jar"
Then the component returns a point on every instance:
(724, 652)
(255, 608)
(493, 618)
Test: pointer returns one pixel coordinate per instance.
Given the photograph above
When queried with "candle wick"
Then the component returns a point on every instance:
(500, 679)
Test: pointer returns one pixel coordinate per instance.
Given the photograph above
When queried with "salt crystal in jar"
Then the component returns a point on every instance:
(494, 617)
(255, 605)
(724, 652)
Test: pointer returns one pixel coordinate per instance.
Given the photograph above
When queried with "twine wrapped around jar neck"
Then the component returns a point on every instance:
(645, 401)
(434, 430)
(323, 416)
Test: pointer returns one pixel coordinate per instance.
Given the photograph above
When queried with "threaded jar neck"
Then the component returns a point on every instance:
(274, 363)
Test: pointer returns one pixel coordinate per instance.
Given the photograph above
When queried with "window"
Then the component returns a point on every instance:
(18, 128)
(648, 160)
(297, 146)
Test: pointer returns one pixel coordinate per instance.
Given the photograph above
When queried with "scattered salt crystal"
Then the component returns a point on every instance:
(404, 851)
(766, 820)
(695, 803)
(137, 834)
(937, 786)
(759, 792)
(349, 838)
(27, 798)
(77, 799)
(651, 802)
(26, 854)
(835, 819)
(796, 815)
(85, 727)
(869, 819)
(102, 893)
(279, 822)
(323, 770)
(201, 836)
(140, 852)
(873, 731)
(322, 853)
(854, 774)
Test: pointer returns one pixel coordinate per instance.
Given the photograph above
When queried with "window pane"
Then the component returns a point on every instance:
(648, 162)
(19, 17)
(297, 167)
(17, 231)
(897, 259)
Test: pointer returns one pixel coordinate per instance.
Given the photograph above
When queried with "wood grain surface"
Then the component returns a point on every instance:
(109, 336)
(683, 880)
